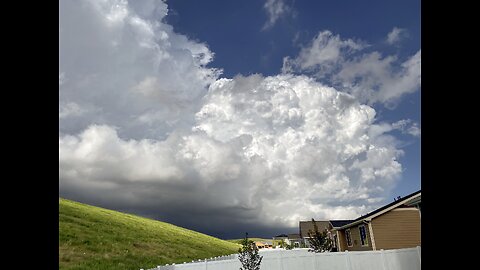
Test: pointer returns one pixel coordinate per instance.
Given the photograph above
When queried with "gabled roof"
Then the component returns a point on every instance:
(405, 200)
(293, 236)
(340, 222)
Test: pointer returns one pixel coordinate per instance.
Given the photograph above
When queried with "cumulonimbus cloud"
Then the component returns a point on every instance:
(125, 70)
(146, 125)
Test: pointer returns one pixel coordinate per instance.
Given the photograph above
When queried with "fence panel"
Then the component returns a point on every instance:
(330, 261)
(301, 259)
(399, 259)
(361, 260)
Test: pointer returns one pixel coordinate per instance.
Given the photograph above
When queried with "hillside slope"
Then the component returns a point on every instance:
(95, 238)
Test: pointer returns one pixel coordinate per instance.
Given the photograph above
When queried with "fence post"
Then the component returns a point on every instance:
(419, 255)
(347, 260)
(384, 261)
(281, 260)
(206, 266)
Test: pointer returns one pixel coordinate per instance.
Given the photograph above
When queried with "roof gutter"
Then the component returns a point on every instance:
(368, 219)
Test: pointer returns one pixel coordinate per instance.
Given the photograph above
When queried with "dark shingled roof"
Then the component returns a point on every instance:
(293, 236)
(388, 205)
(340, 223)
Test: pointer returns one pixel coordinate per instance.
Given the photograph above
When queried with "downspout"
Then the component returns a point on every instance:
(370, 230)
(338, 241)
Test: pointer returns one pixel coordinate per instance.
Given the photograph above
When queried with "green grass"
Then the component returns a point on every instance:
(239, 241)
(95, 238)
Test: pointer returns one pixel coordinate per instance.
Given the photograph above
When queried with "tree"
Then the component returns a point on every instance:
(319, 241)
(289, 247)
(248, 255)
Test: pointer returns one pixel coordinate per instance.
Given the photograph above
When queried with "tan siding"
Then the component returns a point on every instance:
(399, 228)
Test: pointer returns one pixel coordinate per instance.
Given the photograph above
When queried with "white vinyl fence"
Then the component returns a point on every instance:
(301, 259)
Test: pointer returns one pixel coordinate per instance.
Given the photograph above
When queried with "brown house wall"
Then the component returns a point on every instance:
(397, 229)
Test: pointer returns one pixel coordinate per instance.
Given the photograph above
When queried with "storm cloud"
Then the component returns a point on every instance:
(146, 127)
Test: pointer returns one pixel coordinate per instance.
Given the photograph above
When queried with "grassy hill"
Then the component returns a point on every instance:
(95, 238)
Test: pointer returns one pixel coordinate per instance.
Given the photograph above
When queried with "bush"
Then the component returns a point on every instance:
(248, 255)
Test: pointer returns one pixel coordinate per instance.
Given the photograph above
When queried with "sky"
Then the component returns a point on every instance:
(228, 117)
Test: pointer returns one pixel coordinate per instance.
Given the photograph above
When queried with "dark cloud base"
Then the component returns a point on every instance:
(221, 225)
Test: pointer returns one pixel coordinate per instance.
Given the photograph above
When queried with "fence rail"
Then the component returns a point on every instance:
(301, 259)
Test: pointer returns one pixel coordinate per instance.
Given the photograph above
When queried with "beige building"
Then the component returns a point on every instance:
(396, 225)
(307, 226)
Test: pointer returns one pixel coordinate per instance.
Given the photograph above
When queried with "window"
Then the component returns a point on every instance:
(349, 237)
(363, 235)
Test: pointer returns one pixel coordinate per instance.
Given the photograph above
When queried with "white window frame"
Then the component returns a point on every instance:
(366, 238)
(347, 232)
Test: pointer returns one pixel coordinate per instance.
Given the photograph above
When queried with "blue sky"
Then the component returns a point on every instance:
(234, 116)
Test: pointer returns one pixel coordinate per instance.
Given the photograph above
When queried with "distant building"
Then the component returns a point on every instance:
(306, 226)
(264, 244)
(294, 239)
(280, 237)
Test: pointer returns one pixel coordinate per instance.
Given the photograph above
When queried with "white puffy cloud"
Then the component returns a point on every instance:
(147, 127)
(275, 10)
(320, 139)
(396, 35)
(128, 68)
(369, 76)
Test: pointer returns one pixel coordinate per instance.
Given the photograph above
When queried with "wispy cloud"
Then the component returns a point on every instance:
(407, 126)
(275, 10)
(345, 63)
(61, 78)
(396, 35)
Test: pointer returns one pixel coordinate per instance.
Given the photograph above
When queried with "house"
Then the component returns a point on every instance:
(395, 225)
(333, 233)
(306, 226)
(280, 237)
(294, 239)
(259, 245)
(264, 244)
(322, 225)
